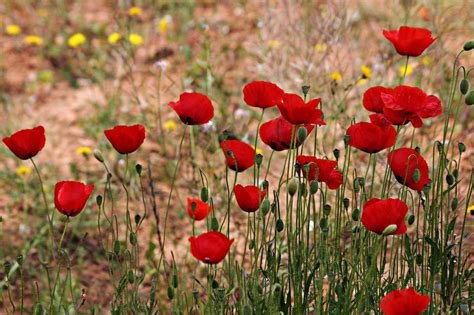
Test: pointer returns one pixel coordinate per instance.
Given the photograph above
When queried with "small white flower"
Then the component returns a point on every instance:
(161, 65)
(121, 162)
(241, 113)
(209, 127)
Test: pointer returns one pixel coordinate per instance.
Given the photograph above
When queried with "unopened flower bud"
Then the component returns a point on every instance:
(204, 194)
(170, 293)
(305, 89)
(356, 214)
(411, 219)
(464, 86)
(454, 204)
(116, 247)
(99, 200)
(247, 310)
(419, 259)
(461, 147)
(346, 202)
(280, 225)
(313, 188)
(336, 153)
(131, 277)
(469, 45)
(323, 223)
(469, 99)
(98, 155)
(292, 186)
(347, 138)
(450, 179)
(133, 239)
(389, 229)
(416, 175)
(302, 134)
(137, 218)
(138, 168)
(265, 206)
(258, 159)
(264, 184)
(327, 209)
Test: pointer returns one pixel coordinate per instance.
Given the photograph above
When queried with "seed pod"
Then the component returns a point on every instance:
(302, 134)
(214, 224)
(292, 186)
(258, 159)
(411, 219)
(346, 202)
(265, 184)
(336, 153)
(305, 89)
(139, 169)
(469, 99)
(215, 284)
(323, 223)
(356, 214)
(464, 86)
(327, 209)
(133, 239)
(137, 218)
(461, 147)
(468, 45)
(280, 225)
(98, 155)
(204, 194)
(313, 188)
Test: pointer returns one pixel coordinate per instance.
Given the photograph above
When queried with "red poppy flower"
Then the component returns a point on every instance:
(372, 99)
(126, 139)
(249, 197)
(262, 94)
(404, 301)
(210, 247)
(26, 143)
(409, 104)
(297, 112)
(201, 210)
(372, 137)
(378, 214)
(193, 108)
(403, 163)
(70, 197)
(276, 133)
(243, 154)
(323, 170)
(410, 41)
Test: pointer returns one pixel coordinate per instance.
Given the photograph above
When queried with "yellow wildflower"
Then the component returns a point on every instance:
(23, 170)
(336, 76)
(406, 71)
(366, 72)
(13, 29)
(362, 82)
(135, 11)
(34, 40)
(135, 39)
(426, 60)
(274, 43)
(258, 151)
(84, 151)
(170, 125)
(76, 40)
(320, 48)
(470, 210)
(114, 38)
(163, 25)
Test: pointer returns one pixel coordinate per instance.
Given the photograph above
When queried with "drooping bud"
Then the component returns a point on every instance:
(461, 147)
(416, 175)
(302, 134)
(469, 99)
(389, 229)
(98, 155)
(204, 194)
(137, 218)
(411, 219)
(464, 86)
(280, 225)
(116, 247)
(469, 45)
(99, 200)
(327, 209)
(139, 169)
(346, 202)
(170, 293)
(19, 259)
(292, 186)
(336, 153)
(313, 188)
(214, 224)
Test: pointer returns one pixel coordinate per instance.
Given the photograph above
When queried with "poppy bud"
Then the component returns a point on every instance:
(327, 209)
(264, 184)
(99, 200)
(251, 244)
(302, 134)
(130, 276)
(280, 225)
(464, 86)
(336, 153)
(356, 186)
(313, 188)
(411, 219)
(356, 214)
(292, 186)
(98, 155)
(323, 223)
(259, 159)
(137, 218)
(469, 100)
(450, 179)
(416, 175)
(116, 247)
(38, 309)
(175, 280)
(417, 149)
(265, 206)
(247, 309)
(305, 89)
(19, 260)
(139, 168)
(204, 194)
(454, 204)
(133, 239)
(361, 181)
(346, 201)
(215, 284)
(468, 45)
(389, 229)
(170, 293)
(461, 147)
(419, 259)
(214, 224)
(347, 138)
